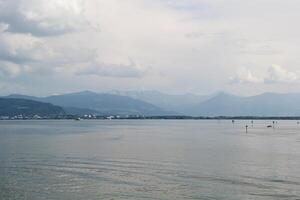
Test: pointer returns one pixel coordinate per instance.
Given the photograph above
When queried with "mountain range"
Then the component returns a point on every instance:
(178, 103)
(87, 102)
(267, 104)
(153, 103)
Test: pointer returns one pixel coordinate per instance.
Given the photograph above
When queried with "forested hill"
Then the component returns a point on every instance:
(13, 107)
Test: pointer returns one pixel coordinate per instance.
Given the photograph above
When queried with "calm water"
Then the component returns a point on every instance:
(70, 160)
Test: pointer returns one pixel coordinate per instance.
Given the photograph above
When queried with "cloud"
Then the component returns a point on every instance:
(42, 17)
(245, 76)
(3, 27)
(274, 74)
(194, 44)
(277, 74)
(9, 69)
(21, 48)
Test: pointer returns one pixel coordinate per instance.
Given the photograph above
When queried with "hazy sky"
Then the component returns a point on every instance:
(176, 46)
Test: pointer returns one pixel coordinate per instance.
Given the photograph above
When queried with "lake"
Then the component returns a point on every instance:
(149, 159)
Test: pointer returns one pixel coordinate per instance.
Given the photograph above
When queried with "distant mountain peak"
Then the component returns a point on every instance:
(81, 93)
(224, 94)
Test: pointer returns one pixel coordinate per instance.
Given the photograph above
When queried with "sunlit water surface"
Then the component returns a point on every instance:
(149, 159)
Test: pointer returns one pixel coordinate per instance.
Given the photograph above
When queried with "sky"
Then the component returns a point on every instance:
(174, 46)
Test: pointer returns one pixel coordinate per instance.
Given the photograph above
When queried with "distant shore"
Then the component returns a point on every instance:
(140, 117)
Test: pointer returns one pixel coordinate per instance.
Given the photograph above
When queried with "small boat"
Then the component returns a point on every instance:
(269, 126)
(77, 119)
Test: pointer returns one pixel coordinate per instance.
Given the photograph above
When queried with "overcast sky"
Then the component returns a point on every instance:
(176, 46)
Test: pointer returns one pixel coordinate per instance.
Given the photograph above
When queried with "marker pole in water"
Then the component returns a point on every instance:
(246, 128)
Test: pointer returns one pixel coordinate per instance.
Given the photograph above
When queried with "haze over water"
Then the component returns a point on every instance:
(149, 159)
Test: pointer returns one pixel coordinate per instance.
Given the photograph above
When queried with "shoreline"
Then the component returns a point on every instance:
(79, 118)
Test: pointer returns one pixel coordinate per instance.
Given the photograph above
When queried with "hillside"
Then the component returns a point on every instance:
(12, 107)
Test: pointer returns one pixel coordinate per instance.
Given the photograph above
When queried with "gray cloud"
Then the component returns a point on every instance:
(42, 17)
(22, 48)
(9, 70)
